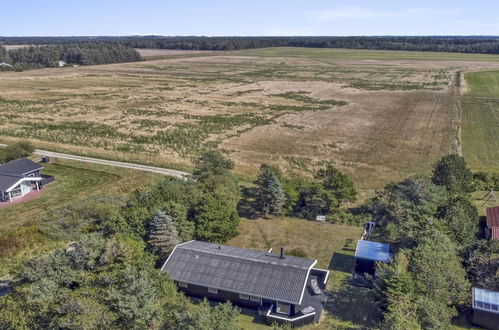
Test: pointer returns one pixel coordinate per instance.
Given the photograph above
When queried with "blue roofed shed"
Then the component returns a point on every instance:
(368, 253)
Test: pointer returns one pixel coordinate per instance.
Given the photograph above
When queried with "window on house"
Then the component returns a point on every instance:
(212, 290)
(255, 298)
(182, 284)
(283, 308)
(243, 296)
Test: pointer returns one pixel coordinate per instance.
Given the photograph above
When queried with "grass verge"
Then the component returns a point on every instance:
(480, 121)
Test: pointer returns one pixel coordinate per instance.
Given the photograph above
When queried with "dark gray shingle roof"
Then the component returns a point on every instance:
(21, 166)
(8, 180)
(240, 270)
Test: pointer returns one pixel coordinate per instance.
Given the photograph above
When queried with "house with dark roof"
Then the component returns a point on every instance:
(485, 304)
(18, 178)
(282, 288)
(492, 214)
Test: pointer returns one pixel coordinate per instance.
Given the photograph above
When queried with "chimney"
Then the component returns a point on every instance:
(282, 252)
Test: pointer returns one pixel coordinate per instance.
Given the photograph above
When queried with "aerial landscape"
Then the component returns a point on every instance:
(234, 175)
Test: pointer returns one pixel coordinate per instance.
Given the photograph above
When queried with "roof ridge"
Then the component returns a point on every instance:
(12, 174)
(251, 259)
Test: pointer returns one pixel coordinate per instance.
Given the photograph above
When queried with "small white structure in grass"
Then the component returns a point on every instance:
(62, 63)
(5, 65)
(321, 218)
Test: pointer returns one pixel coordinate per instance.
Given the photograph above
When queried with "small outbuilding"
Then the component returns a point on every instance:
(492, 230)
(368, 253)
(61, 63)
(485, 306)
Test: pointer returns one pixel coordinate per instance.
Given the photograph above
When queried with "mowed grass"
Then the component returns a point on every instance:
(333, 246)
(321, 241)
(365, 54)
(74, 180)
(480, 120)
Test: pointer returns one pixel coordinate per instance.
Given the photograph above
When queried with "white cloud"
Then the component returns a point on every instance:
(367, 13)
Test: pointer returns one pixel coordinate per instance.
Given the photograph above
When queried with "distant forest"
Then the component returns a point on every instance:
(83, 53)
(471, 44)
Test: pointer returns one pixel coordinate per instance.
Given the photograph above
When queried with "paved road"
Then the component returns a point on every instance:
(160, 170)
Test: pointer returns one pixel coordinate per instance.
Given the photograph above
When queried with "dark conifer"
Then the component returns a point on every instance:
(163, 235)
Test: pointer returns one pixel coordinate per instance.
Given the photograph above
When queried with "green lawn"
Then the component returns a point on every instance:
(480, 121)
(483, 84)
(363, 54)
(74, 180)
(333, 246)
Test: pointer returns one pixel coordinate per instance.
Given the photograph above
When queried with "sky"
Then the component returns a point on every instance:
(248, 18)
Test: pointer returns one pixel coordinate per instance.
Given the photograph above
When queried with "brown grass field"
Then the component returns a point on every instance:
(379, 116)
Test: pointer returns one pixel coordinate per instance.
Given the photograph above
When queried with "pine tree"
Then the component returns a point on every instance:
(163, 235)
(270, 194)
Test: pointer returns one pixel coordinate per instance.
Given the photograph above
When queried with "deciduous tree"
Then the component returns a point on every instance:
(337, 182)
(452, 173)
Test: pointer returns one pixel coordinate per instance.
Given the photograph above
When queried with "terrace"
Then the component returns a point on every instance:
(312, 304)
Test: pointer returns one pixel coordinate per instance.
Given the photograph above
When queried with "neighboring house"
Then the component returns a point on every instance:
(368, 253)
(62, 63)
(492, 231)
(284, 289)
(18, 178)
(485, 306)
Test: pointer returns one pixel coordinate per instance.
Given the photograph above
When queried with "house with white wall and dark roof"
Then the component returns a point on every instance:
(19, 177)
(282, 288)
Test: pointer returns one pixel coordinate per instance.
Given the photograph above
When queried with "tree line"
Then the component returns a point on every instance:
(84, 53)
(471, 44)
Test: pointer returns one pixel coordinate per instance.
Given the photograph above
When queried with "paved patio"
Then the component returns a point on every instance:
(26, 198)
(316, 301)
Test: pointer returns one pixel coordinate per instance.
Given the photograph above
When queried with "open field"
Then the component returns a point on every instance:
(9, 47)
(379, 116)
(480, 117)
(74, 180)
(366, 54)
